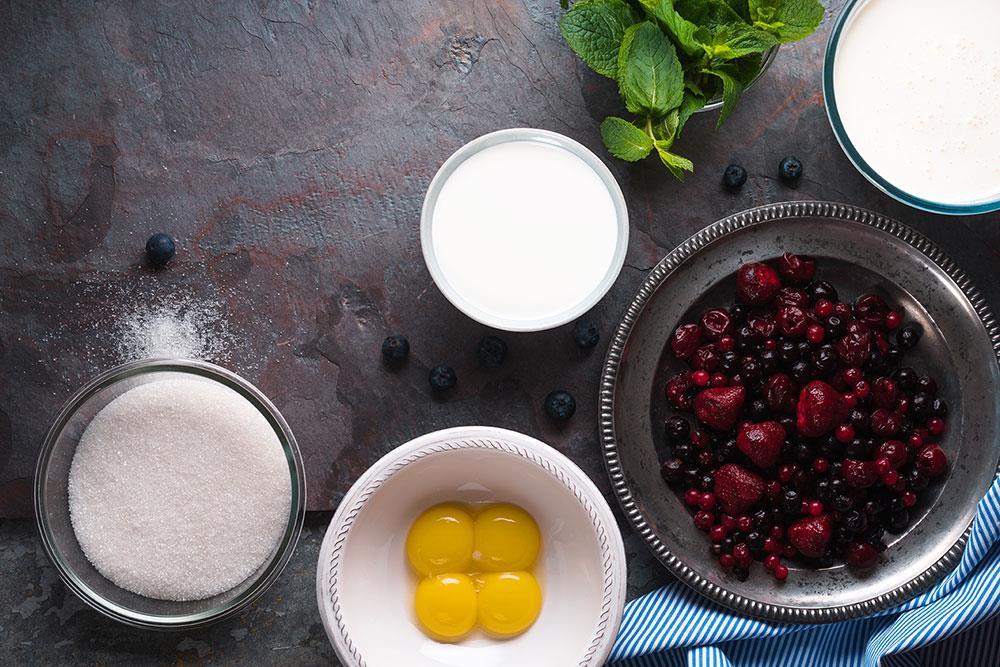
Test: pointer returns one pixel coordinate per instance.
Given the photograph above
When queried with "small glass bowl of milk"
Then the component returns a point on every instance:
(524, 229)
(911, 89)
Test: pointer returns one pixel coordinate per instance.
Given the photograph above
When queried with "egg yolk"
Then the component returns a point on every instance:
(441, 540)
(509, 602)
(445, 605)
(506, 539)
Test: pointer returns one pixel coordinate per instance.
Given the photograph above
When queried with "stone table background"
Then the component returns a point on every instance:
(287, 147)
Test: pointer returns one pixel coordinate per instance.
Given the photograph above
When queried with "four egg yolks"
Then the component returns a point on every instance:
(475, 570)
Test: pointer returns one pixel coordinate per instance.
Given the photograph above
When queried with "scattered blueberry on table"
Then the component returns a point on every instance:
(491, 352)
(160, 249)
(395, 349)
(790, 169)
(442, 378)
(585, 334)
(734, 177)
(560, 405)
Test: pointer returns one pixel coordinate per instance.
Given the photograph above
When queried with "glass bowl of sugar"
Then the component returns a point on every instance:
(169, 494)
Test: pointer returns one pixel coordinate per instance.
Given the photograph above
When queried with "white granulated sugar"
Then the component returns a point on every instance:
(179, 489)
(177, 329)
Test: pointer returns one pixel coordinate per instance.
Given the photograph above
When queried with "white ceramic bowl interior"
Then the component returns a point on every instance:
(365, 588)
(473, 310)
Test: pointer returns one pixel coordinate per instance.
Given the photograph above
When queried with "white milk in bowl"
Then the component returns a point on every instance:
(916, 84)
(524, 229)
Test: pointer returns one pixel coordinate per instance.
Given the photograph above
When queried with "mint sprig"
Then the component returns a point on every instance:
(672, 56)
(594, 30)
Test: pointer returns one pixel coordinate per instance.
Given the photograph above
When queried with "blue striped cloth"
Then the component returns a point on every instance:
(676, 627)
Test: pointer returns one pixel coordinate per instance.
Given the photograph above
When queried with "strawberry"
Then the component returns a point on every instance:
(719, 407)
(737, 489)
(859, 474)
(811, 535)
(820, 409)
(756, 283)
(761, 442)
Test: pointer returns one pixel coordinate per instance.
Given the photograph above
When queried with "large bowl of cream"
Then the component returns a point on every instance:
(911, 88)
(524, 229)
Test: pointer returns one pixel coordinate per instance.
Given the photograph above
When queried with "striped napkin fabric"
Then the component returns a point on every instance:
(675, 626)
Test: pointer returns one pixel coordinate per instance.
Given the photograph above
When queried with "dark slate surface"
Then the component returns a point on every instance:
(287, 147)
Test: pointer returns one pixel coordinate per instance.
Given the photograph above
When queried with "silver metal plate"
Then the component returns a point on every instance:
(858, 251)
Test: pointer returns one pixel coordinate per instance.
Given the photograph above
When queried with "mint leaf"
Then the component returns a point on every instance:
(594, 30)
(748, 67)
(691, 104)
(740, 7)
(735, 41)
(712, 14)
(687, 35)
(731, 89)
(624, 140)
(675, 163)
(668, 127)
(649, 74)
(788, 20)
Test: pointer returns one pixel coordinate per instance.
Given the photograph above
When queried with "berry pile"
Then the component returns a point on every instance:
(810, 438)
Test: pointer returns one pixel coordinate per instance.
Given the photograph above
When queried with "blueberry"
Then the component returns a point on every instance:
(908, 336)
(491, 352)
(790, 169)
(159, 249)
(442, 378)
(897, 521)
(821, 289)
(734, 177)
(678, 429)
(917, 479)
(906, 378)
(842, 503)
(560, 405)
(939, 408)
(585, 334)
(672, 470)
(395, 349)
(856, 521)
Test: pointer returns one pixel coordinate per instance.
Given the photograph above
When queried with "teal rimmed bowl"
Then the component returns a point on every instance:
(843, 22)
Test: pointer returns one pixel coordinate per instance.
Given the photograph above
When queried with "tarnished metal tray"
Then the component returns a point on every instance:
(859, 251)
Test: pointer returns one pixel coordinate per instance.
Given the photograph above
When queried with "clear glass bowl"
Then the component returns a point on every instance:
(768, 60)
(829, 95)
(52, 503)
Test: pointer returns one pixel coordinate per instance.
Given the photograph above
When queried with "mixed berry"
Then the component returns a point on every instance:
(809, 439)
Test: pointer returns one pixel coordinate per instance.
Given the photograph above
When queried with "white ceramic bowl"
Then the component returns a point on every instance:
(508, 322)
(365, 588)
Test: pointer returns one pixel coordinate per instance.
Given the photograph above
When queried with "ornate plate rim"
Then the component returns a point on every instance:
(609, 448)
(512, 443)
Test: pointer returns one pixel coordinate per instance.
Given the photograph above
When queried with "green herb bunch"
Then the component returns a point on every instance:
(670, 57)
